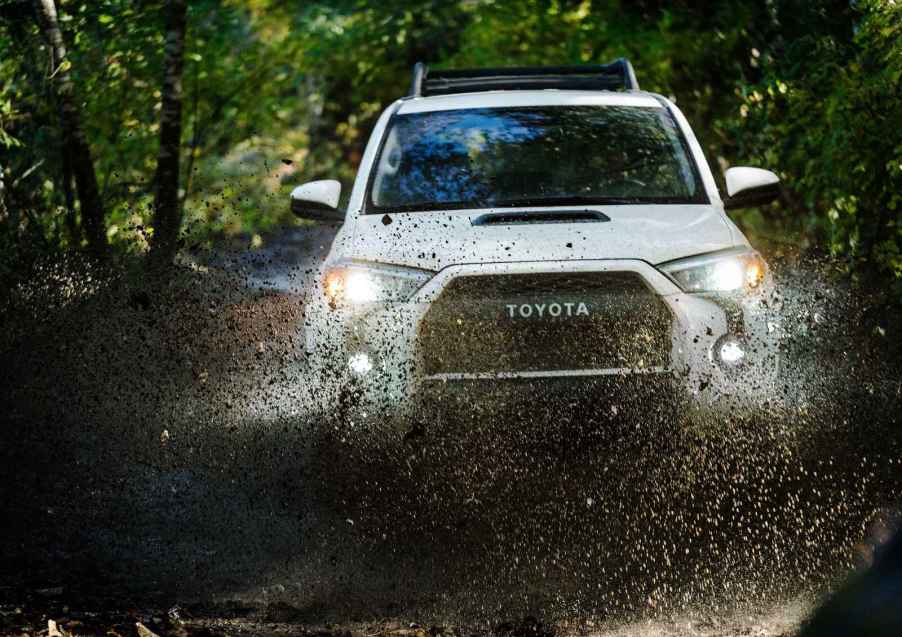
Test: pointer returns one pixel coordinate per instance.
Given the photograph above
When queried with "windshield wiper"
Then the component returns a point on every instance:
(534, 203)
(564, 201)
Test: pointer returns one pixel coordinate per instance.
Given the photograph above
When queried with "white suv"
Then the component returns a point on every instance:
(536, 225)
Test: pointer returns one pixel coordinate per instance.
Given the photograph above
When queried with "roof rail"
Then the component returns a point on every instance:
(618, 75)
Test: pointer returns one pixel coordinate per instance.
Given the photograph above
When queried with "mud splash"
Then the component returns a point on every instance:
(158, 450)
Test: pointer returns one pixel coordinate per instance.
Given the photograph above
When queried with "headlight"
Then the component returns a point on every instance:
(723, 271)
(357, 283)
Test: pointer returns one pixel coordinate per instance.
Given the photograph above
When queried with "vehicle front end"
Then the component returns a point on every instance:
(706, 324)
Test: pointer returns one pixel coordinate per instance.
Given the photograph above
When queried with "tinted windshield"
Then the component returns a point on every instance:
(547, 155)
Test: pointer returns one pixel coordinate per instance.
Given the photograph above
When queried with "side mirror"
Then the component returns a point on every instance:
(317, 200)
(749, 187)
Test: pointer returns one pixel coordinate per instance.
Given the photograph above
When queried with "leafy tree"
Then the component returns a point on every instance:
(827, 114)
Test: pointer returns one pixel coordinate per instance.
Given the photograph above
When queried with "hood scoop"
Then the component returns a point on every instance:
(539, 216)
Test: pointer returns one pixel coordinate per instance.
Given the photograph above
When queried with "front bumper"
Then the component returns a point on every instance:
(375, 348)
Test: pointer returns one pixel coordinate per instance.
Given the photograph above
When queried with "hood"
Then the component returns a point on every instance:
(434, 240)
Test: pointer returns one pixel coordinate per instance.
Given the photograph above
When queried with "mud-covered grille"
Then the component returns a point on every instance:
(545, 322)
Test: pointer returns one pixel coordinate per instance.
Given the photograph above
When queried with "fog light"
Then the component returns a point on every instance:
(729, 351)
(360, 364)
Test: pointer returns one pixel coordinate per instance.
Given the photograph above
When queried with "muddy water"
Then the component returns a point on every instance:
(159, 450)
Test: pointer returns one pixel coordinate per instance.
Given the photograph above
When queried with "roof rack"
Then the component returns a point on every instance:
(618, 75)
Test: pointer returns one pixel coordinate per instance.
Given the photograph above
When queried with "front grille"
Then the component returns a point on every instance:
(545, 322)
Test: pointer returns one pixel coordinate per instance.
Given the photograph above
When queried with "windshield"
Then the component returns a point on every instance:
(546, 155)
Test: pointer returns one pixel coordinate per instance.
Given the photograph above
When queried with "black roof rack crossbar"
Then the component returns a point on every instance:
(618, 75)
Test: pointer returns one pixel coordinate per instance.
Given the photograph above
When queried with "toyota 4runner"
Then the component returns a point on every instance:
(536, 224)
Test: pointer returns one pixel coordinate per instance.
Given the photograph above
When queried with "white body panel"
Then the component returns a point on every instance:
(325, 191)
(740, 178)
(434, 240)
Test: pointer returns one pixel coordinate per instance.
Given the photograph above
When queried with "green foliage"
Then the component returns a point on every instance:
(277, 93)
(236, 85)
(828, 116)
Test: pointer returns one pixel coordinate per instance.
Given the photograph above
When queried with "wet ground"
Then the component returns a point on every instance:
(159, 464)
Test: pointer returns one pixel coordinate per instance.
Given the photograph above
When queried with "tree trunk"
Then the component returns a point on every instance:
(4, 213)
(167, 206)
(74, 139)
(72, 228)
